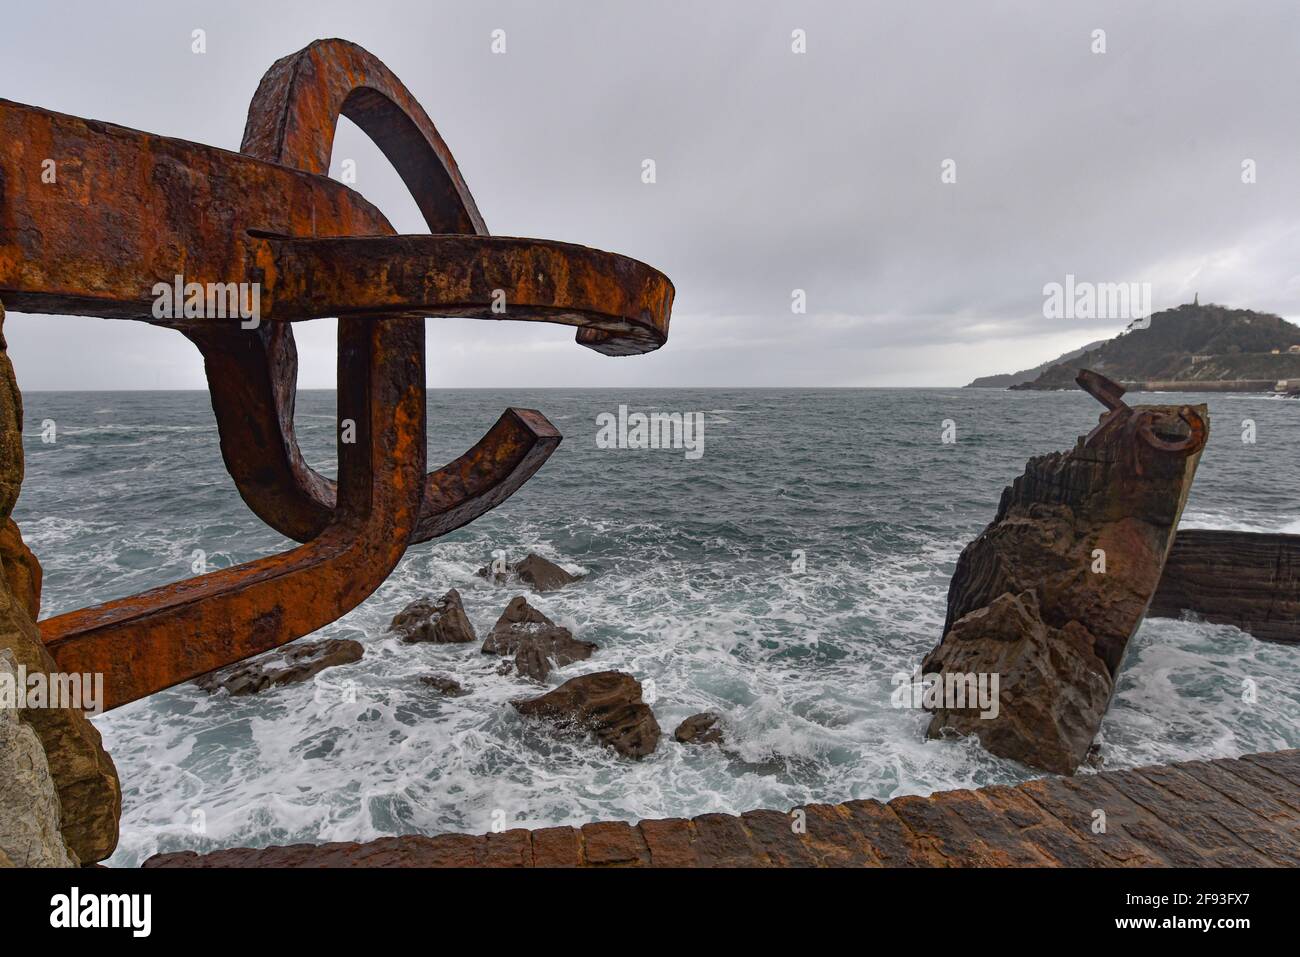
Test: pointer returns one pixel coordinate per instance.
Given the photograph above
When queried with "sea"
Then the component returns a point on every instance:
(782, 578)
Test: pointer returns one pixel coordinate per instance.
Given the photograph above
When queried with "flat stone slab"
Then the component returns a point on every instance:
(1222, 813)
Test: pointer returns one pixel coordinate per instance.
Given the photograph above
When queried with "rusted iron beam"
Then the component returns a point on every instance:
(476, 277)
(126, 210)
(167, 635)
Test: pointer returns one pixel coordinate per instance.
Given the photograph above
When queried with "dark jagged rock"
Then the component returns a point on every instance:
(443, 621)
(607, 704)
(703, 728)
(1246, 579)
(536, 572)
(444, 684)
(534, 640)
(517, 621)
(1049, 594)
(292, 664)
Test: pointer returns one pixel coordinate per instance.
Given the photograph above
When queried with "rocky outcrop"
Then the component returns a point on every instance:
(1246, 579)
(90, 796)
(534, 640)
(1052, 687)
(606, 704)
(703, 728)
(30, 830)
(1048, 596)
(22, 571)
(292, 664)
(444, 684)
(443, 621)
(536, 572)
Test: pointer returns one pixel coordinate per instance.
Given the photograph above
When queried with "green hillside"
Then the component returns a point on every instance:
(1196, 344)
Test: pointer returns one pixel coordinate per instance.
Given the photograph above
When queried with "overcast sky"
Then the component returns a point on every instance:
(775, 171)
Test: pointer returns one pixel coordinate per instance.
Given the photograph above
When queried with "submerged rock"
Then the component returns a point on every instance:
(291, 664)
(538, 573)
(1048, 596)
(443, 621)
(534, 640)
(606, 704)
(703, 728)
(30, 826)
(444, 684)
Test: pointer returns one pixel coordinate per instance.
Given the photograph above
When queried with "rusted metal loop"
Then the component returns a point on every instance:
(252, 378)
(1193, 442)
(294, 114)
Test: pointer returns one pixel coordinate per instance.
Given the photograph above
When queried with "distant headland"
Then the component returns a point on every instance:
(1191, 348)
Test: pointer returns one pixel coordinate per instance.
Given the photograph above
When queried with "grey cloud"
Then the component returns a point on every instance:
(775, 171)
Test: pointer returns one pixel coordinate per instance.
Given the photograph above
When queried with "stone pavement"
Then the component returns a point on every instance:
(1227, 812)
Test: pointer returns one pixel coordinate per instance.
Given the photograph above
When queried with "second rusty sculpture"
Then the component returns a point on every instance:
(129, 210)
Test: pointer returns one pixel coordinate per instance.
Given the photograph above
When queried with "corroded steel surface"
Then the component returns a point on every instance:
(129, 209)
(1182, 431)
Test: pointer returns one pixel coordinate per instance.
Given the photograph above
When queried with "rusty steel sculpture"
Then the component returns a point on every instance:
(127, 210)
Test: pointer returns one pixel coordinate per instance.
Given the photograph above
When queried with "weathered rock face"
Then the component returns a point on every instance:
(534, 640)
(291, 664)
(607, 704)
(30, 831)
(703, 728)
(444, 684)
(21, 569)
(443, 621)
(90, 796)
(536, 572)
(1246, 579)
(1049, 594)
(1052, 686)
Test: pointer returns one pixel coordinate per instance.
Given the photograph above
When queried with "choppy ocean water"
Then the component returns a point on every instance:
(690, 583)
